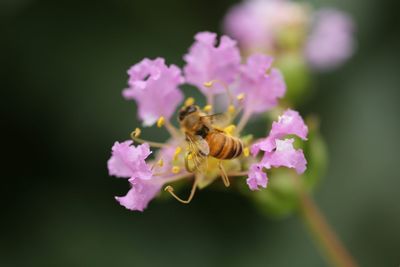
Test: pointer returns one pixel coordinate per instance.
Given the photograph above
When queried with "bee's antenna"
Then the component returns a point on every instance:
(170, 190)
(224, 176)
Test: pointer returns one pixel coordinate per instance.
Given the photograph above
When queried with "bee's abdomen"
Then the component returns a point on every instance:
(223, 146)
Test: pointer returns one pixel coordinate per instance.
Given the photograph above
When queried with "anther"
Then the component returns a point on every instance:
(136, 133)
(208, 84)
(190, 101)
(207, 108)
(230, 129)
(231, 109)
(160, 163)
(160, 122)
(240, 97)
(175, 169)
(246, 152)
(178, 150)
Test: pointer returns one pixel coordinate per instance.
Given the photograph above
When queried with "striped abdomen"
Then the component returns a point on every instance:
(223, 146)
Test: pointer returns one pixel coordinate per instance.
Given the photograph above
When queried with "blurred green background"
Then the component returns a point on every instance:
(63, 68)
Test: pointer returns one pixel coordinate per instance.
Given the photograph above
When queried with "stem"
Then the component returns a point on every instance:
(243, 120)
(323, 233)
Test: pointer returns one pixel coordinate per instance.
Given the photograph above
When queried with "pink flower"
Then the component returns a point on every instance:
(206, 61)
(331, 40)
(261, 85)
(278, 152)
(140, 194)
(257, 177)
(285, 156)
(257, 24)
(152, 84)
(129, 161)
(289, 123)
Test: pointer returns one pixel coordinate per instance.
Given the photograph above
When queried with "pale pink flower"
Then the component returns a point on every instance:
(206, 62)
(152, 84)
(278, 152)
(289, 123)
(331, 41)
(261, 84)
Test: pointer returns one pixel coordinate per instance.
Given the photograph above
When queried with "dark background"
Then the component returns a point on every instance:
(63, 68)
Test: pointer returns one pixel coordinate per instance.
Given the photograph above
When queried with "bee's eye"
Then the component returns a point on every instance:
(187, 110)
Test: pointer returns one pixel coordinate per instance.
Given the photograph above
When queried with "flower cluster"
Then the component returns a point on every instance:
(323, 37)
(251, 88)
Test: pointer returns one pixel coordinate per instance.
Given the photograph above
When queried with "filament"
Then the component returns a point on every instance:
(224, 176)
(142, 141)
(170, 190)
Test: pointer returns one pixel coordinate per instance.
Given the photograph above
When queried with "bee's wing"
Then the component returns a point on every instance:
(219, 120)
(199, 150)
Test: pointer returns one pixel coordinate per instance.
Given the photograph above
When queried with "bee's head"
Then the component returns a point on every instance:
(186, 110)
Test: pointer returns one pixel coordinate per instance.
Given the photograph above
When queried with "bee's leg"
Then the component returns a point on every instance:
(224, 176)
(187, 164)
(170, 190)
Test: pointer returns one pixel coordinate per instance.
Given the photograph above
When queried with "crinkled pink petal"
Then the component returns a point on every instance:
(152, 84)
(331, 41)
(140, 194)
(261, 85)
(285, 156)
(206, 61)
(289, 123)
(129, 161)
(257, 178)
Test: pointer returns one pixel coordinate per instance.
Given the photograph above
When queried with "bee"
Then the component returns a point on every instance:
(205, 138)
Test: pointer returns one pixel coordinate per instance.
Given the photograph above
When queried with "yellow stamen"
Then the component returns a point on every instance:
(137, 132)
(209, 84)
(190, 157)
(240, 97)
(230, 129)
(190, 101)
(160, 122)
(246, 152)
(160, 163)
(178, 150)
(175, 169)
(207, 108)
(231, 109)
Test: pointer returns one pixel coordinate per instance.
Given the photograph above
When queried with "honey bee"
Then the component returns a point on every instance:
(205, 138)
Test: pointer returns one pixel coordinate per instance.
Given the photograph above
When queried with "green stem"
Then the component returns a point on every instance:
(323, 233)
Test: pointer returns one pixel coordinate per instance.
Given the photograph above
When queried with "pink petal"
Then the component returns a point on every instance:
(129, 161)
(256, 177)
(206, 61)
(152, 84)
(140, 194)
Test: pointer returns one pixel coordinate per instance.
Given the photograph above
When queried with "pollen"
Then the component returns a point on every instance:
(231, 109)
(137, 132)
(160, 122)
(209, 84)
(175, 169)
(178, 150)
(230, 129)
(240, 97)
(190, 157)
(190, 101)
(207, 108)
(246, 152)
(160, 163)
